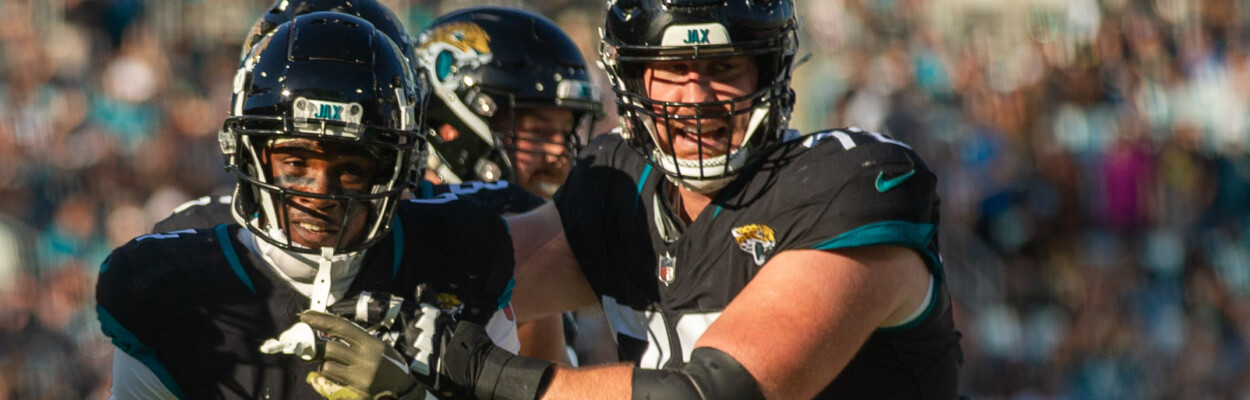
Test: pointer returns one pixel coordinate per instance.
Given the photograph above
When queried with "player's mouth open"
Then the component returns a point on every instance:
(709, 138)
(314, 227)
(316, 230)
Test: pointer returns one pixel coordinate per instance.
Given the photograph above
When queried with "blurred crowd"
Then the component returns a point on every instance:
(1092, 156)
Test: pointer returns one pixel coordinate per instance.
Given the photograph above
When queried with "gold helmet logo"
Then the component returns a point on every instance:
(447, 49)
(465, 36)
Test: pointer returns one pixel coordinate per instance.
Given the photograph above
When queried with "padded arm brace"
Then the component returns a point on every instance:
(472, 360)
(507, 376)
(710, 374)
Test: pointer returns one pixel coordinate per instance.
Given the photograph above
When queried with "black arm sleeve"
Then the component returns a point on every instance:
(710, 374)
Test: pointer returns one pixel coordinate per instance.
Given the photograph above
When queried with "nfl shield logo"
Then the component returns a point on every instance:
(667, 268)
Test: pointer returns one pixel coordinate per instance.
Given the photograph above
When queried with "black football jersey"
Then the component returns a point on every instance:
(195, 305)
(663, 283)
(505, 198)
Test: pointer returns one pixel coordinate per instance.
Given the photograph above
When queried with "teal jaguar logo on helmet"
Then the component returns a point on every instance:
(442, 65)
(447, 48)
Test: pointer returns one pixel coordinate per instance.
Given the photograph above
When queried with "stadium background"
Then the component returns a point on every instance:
(1091, 153)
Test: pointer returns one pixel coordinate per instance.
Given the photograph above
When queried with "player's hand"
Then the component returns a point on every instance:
(357, 365)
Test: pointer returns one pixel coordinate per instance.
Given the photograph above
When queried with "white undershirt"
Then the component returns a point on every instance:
(134, 380)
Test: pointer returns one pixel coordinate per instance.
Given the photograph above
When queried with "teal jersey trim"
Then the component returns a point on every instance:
(427, 189)
(223, 238)
(127, 342)
(397, 233)
(912, 235)
(105, 266)
(904, 233)
(646, 174)
(907, 234)
(506, 296)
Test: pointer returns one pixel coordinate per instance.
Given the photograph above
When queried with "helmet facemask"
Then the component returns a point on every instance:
(662, 121)
(760, 116)
(541, 138)
(264, 199)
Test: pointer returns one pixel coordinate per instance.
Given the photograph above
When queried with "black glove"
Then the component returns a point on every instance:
(358, 365)
(470, 359)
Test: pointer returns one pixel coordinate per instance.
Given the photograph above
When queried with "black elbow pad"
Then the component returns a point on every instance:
(710, 374)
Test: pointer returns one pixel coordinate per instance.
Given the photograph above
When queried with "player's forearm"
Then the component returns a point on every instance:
(486, 371)
(605, 382)
(548, 278)
(550, 282)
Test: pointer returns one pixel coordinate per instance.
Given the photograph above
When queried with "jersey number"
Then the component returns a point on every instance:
(690, 328)
(652, 327)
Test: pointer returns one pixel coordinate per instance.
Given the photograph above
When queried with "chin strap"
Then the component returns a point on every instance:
(301, 269)
(322, 282)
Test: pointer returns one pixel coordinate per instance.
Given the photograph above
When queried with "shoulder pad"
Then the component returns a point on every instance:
(204, 212)
(849, 138)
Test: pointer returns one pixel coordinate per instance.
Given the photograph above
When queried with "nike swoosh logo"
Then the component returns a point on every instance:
(884, 185)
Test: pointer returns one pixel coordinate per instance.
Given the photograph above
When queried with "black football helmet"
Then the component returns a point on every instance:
(331, 77)
(376, 13)
(483, 63)
(637, 32)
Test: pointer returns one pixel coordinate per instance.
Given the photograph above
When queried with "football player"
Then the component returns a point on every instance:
(752, 261)
(210, 211)
(511, 97)
(511, 100)
(539, 70)
(510, 79)
(324, 137)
